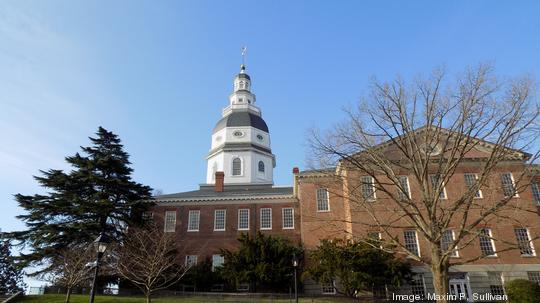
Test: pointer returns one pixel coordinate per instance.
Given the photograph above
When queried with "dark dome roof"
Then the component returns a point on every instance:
(241, 118)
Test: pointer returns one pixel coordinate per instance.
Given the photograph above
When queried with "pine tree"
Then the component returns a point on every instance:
(97, 195)
(11, 277)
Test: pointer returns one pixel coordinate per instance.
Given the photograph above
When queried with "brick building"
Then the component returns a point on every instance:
(239, 197)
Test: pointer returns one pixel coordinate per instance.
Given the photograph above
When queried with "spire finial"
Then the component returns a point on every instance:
(243, 66)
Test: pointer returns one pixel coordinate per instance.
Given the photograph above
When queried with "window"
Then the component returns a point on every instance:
(436, 184)
(217, 261)
(237, 167)
(524, 242)
(536, 192)
(534, 276)
(323, 203)
(405, 191)
(193, 220)
(447, 240)
(219, 219)
(508, 186)
(496, 283)
(191, 260)
(288, 218)
(147, 216)
(243, 219)
(261, 166)
(375, 236)
(411, 242)
(487, 247)
(470, 181)
(368, 188)
(328, 288)
(418, 287)
(266, 218)
(170, 221)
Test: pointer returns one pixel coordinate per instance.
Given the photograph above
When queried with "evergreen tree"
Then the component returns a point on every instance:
(11, 277)
(97, 195)
(263, 261)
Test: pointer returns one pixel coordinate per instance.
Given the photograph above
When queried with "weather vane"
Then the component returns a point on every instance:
(244, 51)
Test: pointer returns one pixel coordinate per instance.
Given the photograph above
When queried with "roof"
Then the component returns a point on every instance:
(241, 118)
(243, 75)
(231, 192)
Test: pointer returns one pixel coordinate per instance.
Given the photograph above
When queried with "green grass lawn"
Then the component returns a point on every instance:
(115, 299)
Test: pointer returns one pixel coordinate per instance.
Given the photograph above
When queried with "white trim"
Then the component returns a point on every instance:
(283, 217)
(516, 194)
(261, 221)
(327, 199)
(224, 219)
(196, 260)
(194, 211)
(238, 226)
(408, 186)
(173, 229)
(476, 179)
(241, 166)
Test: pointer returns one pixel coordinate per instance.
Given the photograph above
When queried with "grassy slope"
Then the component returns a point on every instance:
(114, 299)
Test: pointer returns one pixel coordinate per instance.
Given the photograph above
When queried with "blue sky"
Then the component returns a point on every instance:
(158, 73)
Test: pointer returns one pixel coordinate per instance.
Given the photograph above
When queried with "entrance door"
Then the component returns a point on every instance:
(460, 288)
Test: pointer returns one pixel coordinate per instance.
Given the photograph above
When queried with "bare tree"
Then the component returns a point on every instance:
(147, 258)
(427, 131)
(70, 268)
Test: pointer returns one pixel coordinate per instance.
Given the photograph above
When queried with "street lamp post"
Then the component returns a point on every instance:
(295, 265)
(100, 245)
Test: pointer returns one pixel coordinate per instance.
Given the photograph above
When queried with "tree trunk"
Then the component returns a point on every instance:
(68, 294)
(439, 270)
(148, 298)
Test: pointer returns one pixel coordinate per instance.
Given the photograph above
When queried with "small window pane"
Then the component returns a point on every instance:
(411, 242)
(486, 242)
(266, 218)
(446, 242)
(219, 219)
(524, 242)
(261, 166)
(217, 261)
(507, 182)
(193, 220)
(237, 167)
(368, 188)
(288, 218)
(243, 219)
(328, 288)
(191, 260)
(404, 191)
(534, 276)
(496, 283)
(436, 183)
(470, 181)
(536, 192)
(417, 286)
(323, 203)
(170, 221)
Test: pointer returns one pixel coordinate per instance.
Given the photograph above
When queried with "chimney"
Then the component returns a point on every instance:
(220, 176)
(295, 172)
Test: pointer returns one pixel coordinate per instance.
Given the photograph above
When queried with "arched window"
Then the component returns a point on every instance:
(236, 167)
(261, 166)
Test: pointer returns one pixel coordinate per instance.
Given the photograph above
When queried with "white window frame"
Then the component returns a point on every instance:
(259, 167)
(402, 195)
(326, 286)
(193, 213)
(479, 194)
(224, 211)
(240, 221)
(445, 195)
(166, 224)
(320, 199)
(283, 217)
(531, 246)
(489, 238)
(367, 185)
(188, 263)
(516, 194)
(416, 241)
(534, 276)
(454, 253)
(241, 166)
(498, 283)
(220, 257)
(536, 192)
(262, 220)
(419, 278)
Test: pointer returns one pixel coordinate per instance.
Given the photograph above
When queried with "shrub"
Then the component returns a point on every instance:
(522, 291)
